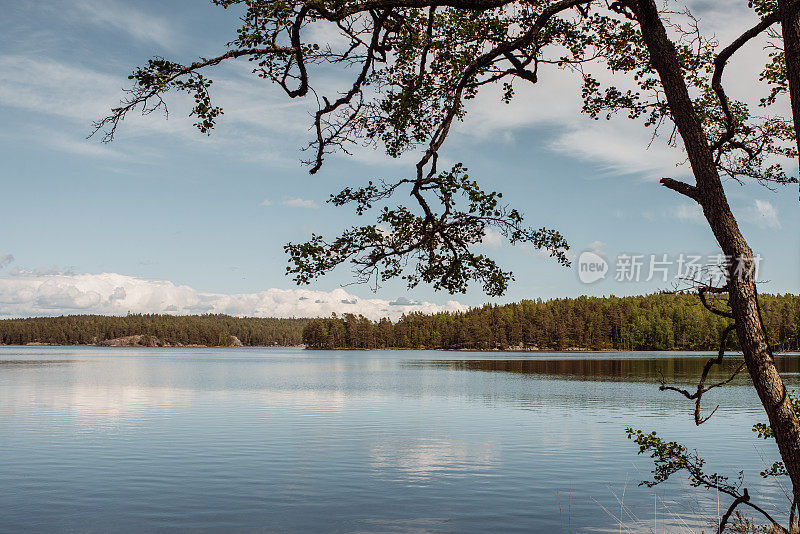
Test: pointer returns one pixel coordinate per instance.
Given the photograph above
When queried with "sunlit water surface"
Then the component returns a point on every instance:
(290, 440)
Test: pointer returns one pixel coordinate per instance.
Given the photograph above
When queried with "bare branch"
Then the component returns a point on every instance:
(697, 395)
(704, 299)
(719, 65)
(681, 187)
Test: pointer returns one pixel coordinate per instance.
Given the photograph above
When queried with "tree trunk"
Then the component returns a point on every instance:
(710, 194)
(789, 11)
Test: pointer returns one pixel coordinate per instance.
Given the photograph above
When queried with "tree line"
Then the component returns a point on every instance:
(209, 330)
(651, 322)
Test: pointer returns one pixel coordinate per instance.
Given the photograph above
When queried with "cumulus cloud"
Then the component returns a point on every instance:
(42, 271)
(32, 294)
(5, 259)
(266, 202)
(300, 203)
(404, 301)
(119, 293)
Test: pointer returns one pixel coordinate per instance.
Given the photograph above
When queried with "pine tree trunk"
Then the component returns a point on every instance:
(789, 11)
(710, 194)
(768, 383)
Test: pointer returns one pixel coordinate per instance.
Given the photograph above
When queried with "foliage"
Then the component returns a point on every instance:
(441, 244)
(416, 65)
(209, 330)
(670, 457)
(653, 322)
(764, 431)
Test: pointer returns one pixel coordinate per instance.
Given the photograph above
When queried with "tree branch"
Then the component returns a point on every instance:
(141, 95)
(681, 187)
(709, 289)
(697, 396)
(719, 65)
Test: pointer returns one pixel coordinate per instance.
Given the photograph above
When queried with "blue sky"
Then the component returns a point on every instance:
(181, 221)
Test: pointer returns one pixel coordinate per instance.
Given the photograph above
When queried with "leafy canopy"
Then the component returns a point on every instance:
(414, 66)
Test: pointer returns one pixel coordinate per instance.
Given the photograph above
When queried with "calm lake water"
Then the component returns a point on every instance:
(289, 440)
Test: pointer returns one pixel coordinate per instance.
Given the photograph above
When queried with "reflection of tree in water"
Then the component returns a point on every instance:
(646, 369)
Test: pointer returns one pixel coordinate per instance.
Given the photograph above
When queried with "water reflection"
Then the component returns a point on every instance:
(604, 368)
(417, 460)
(99, 440)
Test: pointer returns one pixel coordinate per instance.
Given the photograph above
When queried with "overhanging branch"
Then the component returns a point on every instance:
(719, 66)
(681, 187)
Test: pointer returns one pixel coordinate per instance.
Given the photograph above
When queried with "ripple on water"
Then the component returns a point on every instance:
(395, 441)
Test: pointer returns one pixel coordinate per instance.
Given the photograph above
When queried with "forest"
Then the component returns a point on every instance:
(209, 330)
(661, 321)
(651, 322)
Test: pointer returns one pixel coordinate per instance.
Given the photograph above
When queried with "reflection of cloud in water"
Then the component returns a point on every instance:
(99, 406)
(419, 459)
(83, 393)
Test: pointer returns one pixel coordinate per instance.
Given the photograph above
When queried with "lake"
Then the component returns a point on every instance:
(291, 440)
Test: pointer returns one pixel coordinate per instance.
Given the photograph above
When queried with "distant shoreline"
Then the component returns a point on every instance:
(658, 322)
(161, 346)
(170, 346)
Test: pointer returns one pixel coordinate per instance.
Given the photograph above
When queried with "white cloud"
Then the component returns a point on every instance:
(42, 271)
(254, 125)
(763, 214)
(689, 212)
(620, 147)
(111, 14)
(404, 301)
(266, 202)
(34, 294)
(492, 239)
(79, 145)
(300, 203)
(556, 100)
(119, 293)
(5, 259)
(261, 123)
(596, 247)
(54, 88)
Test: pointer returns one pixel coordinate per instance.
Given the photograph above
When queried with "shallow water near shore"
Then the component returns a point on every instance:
(289, 440)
